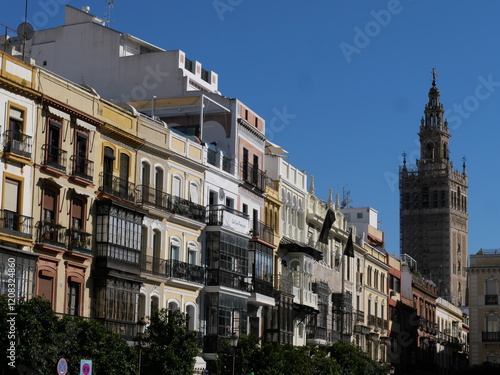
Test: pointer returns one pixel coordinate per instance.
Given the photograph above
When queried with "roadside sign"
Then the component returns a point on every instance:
(62, 367)
(85, 367)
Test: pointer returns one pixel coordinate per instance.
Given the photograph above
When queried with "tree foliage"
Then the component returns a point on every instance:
(168, 347)
(42, 338)
(353, 361)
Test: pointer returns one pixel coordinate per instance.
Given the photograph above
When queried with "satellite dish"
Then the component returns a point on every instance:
(25, 30)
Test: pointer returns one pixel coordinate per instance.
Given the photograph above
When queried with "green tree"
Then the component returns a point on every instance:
(42, 338)
(353, 361)
(168, 347)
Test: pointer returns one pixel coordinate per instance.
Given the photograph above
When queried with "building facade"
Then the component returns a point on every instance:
(484, 336)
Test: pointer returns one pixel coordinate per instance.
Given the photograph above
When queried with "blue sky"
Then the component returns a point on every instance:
(343, 82)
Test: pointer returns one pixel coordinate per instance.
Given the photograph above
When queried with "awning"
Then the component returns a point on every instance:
(85, 125)
(293, 246)
(81, 192)
(274, 149)
(59, 113)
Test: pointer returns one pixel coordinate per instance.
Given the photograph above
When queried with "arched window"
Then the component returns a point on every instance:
(491, 322)
(175, 248)
(194, 192)
(156, 250)
(146, 174)
(155, 304)
(173, 306)
(192, 253)
(191, 315)
(176, 186)
(295, 270)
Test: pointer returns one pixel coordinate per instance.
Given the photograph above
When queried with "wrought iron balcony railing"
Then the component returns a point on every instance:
(253, 176)
(54, 157)
(283, 284)
(491, 336)
(116, 186)
(491, 299)
(229, 279)
(175, 205)
(360, 316)
(215, 214)
(82, 167)
(262, 231)
(372, 320)
(18, 143)
(172, 268)
(51, 233)
(263, 287)
(187, 209)
(79, 241)
(15, 224)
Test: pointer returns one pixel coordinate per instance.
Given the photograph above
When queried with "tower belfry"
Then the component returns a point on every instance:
(433, 206)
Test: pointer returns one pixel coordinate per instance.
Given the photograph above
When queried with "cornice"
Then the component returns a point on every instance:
(19, 89)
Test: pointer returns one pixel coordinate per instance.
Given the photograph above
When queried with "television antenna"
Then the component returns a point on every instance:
(346, 200)
(109, 4)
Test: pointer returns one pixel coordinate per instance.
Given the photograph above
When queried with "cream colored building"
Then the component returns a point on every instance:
(484, 310)
(170, 186)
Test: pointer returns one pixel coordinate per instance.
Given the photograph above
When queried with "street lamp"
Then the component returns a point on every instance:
(141, 326)
(233, 341)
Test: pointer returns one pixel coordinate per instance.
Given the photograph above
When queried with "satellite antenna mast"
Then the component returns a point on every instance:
(109, 4)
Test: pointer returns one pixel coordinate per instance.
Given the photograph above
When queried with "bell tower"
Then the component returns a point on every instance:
(433, 206)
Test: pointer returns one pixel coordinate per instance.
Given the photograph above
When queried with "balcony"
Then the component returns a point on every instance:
(305, 297)
(187, 209)
(224, 278)
(372, 320)
(227, 217)
(116, 186)
(262, 231)
(491, 336)
(15, 224)
(51, 233)
(283, 284)
(18, 143)
(262, 287)
(491, 299)
(174, 205)
(82, 168)
(54, 157)
(79, 241)
(172, 268)
(360, 316)
(253, 176)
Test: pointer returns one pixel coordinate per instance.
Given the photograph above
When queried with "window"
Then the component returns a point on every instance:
(155, 304)
(53, 147)
(245, 164)
(146, 170)
(192, 253)
(359, 215)
(159, 186)
(255, 174)
(11, 202)
(176, 186)
(49, 205)
(245, 209)
(491, 293)
(77, 213)
(124, 174)
(491, 322)
(156, 250)
(73, 298)
(194, 195)
(81, 162)
(109, 158)
(46, 285)
(16, 120)
(175, 248)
